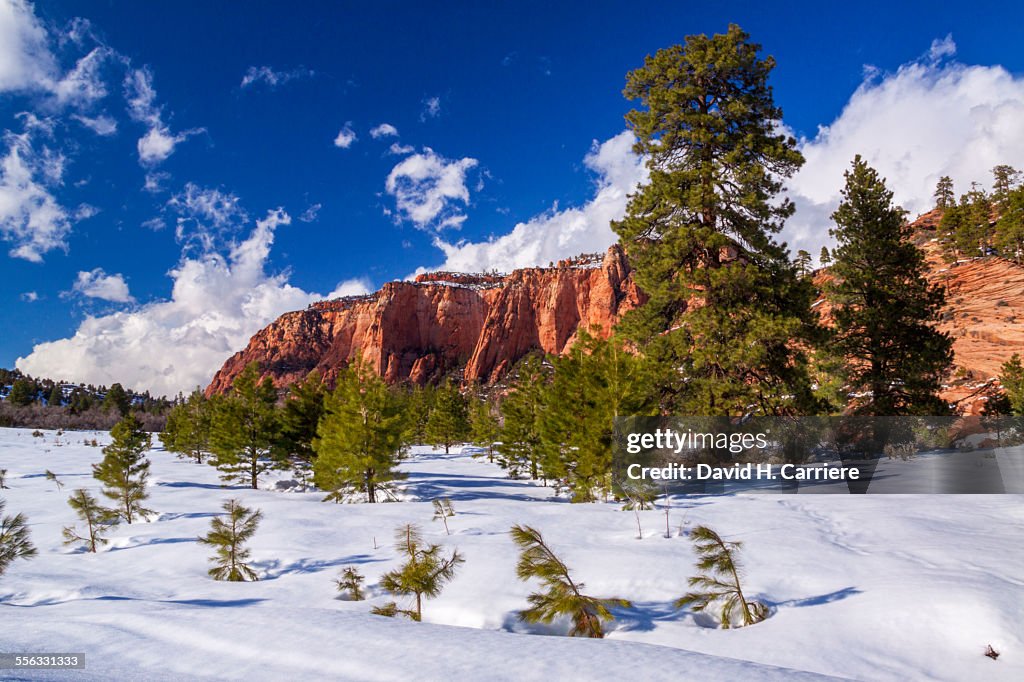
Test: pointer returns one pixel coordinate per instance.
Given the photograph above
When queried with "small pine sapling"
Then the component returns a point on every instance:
(350, 584)
(124, 470)
(720, 582)
(562, 596)
(14, 539)
(228, 537)
(640, 496)
(50, 476)
(98, 520)
(424, 574)
(3, 479)
(442, 510)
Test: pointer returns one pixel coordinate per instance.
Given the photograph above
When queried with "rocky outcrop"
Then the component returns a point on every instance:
(422, 330)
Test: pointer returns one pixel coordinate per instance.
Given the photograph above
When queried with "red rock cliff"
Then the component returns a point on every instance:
(421, 330)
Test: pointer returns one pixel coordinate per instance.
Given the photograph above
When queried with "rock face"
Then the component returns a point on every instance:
(419, 331)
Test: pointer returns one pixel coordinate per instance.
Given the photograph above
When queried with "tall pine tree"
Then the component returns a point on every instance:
(448, 422)
(245, 428)
(884, 308)
(521, 410)
(187, 431)
(300, 415)
(726, 311)
(124, 469)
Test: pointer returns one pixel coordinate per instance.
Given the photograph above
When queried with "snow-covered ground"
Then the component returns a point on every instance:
(869, 587)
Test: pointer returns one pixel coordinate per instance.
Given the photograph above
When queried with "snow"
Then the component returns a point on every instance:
(869, 587)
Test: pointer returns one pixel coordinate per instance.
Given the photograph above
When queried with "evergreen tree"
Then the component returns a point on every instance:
(1005, 179)
(521, 410)
(419, 402)
(350, 584)
(700, 235)
(1010, 226)
(245, 428)
(884, 308)
(361, 436)
(300, 415)
(484, 429)
(228, 537)
(423, 575)
(720, 582)
(973, 231)
(50, 476)
(124, 470)
(98, 520)
(188, 427)
(117, 399)
(443, 509)
(803, 263)
(1012, 378)
(23, 393)
(597, 381)
(56, 396)
(448, 422)
(562, 596)
(824, 257)
(14, 539)
(944, 197)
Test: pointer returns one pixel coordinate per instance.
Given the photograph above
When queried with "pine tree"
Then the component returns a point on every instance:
(56, 396)
(884, 307)
(350, 584)
(419, 402)
(562, 596)
(973, 231)
(98, 520)
(117, 399)
(726, 309)
(14, 539)
(23, 393)
(483, 425)
(824, 257)
(803, 263)
(520, 411)
(1005, 179)
(944, 197)
(50, 476)
(229, 537)
(443, 509)
(423, 575)
(124, 470)
(448, 422)
(597, 381)
(245, 428)
(189, 426)
(1010, 226)
(300, 415)
(720, 582)
(1011, 376)
(361, 437)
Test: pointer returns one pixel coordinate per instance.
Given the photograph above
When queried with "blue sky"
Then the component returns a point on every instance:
(148, 148)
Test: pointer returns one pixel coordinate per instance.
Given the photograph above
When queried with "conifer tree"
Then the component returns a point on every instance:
(1005, 179)
(124, 470)
(245, 428)
(98, 520)
(350, 584)
(972, 231)
(944, 197)
(50, 476)
(483, 425)
(419, 402)
(15, 542)
(726, 309)
(56, 396)
(824, 257)
(117, 399)
(803, 262)
(448, 422)
(443, 509)
(22, 393)
(562, 596)
(228, 537)
(423, 575)
(188, 427)
(521, 410)
(1010, 226)
(361, 437)
(1011, 377)
(719, 582)
(300, 415)
(884, 307)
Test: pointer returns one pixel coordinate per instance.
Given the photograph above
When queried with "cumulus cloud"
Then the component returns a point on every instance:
(560, 233)
(26, 62)
(400, 149)
(98, 284)
(383, 130)
(346, 136)
(428, 189)
(351, 287)
(159, 141)
(929, 118)
(272, 78)
(218, 301)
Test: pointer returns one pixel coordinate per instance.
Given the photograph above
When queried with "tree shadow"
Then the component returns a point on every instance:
(458, 487)
(205, 486)
(190, 515)
(819, 600)
(154, 541)
(273, 569)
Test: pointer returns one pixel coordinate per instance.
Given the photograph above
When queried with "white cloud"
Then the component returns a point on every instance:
(271, 77)
(206, 216)
(346, 136)
(30, 297)
(310, 214)
(431, 108)
(159, 142)
(928, 119)
(217, 303)
(26, 62)
(400, 149)
(98, 284)
(155, 181)
(351, 287)
(427, 187)
(83, 84)
(101, 125)
(383, 130)
(31, 219)
(558, 234)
